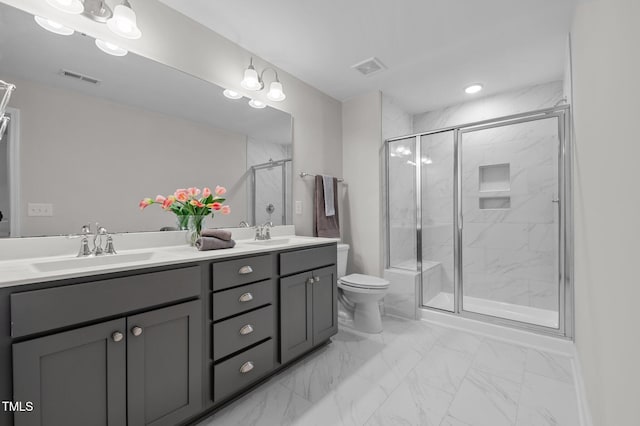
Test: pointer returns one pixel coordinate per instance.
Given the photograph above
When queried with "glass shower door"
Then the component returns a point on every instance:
(436, 161)
(509, 197)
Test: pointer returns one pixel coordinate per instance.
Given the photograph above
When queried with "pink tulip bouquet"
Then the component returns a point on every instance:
(191, 206)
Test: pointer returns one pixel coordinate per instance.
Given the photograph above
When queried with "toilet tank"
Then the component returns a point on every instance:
(343, 252)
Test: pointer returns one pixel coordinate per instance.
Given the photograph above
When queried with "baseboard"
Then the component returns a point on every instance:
(581, 394)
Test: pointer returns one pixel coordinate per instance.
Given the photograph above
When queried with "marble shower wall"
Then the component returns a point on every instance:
(269, 185)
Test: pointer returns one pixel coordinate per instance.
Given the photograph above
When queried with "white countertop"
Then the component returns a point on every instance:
(20, 271)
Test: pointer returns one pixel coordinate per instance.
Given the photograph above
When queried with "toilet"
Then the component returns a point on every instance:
(362, 293)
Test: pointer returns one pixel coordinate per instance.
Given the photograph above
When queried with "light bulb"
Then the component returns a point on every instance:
(74, 7)
(254, 103)
(474, 88)
(124, 22)
(53, 26)
(231, 94)
(250, 80)
(110, 48)
(275, 92)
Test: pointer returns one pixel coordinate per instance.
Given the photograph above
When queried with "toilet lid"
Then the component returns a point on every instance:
(364, 281)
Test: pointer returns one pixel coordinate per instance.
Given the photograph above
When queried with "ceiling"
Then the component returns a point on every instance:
(27, 52)
(432, 48)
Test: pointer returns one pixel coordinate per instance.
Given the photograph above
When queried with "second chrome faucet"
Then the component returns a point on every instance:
(97, 250)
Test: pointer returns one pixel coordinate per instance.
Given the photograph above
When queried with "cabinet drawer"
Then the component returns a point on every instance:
(304, 260)
(228, 335)
(241, 299)
(48, 309)
(241, 271)
(229, 376)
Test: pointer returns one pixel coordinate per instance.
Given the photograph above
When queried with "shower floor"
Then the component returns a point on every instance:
(527, 314)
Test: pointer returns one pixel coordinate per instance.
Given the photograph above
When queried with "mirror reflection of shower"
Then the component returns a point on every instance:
(7, 88)
(270, 199)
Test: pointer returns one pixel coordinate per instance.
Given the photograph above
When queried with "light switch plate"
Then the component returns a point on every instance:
(298, 207)
(39, 209)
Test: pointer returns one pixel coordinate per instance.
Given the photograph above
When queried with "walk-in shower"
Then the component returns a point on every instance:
(478, 219)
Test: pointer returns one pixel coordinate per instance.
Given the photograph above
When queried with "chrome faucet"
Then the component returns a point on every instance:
(244, 224)
(263, 232)
(97, 242)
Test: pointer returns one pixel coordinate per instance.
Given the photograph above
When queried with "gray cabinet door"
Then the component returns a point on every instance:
(296, 331)
(325, 304)
(164, 365)
(75, 378)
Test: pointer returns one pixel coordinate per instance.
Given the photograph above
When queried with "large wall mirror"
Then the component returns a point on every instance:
(92, 134)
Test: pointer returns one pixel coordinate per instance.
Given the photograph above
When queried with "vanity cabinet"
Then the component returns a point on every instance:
(139, 369)
(308, 301)
(162, 346)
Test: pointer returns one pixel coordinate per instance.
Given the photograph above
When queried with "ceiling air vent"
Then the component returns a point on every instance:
(369, 66)
(78, 76)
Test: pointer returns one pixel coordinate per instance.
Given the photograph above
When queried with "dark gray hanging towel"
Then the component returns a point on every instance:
(324, 226)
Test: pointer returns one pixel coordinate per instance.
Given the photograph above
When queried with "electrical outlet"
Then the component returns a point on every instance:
(39, 209)
(298, 207)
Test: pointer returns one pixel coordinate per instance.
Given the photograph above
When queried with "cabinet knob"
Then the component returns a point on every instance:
(246, 367)
(317, 279)
(245, 297)
(117, 336)
(245, 270)
(310, 280)
(247, 329)
(136, 331)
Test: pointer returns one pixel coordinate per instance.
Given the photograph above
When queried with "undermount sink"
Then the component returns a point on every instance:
(87, 262)
(270, 242)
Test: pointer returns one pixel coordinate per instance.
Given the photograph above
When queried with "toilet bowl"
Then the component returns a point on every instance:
(362, 293)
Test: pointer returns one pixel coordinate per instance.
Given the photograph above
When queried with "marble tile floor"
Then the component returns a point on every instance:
(413, 373)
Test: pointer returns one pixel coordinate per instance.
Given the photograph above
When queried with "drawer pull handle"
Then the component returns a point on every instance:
(245, 270)
(136, 331)
(245, 297)
(117, 336)
(317, 279)
(246, 367)
(247, 329)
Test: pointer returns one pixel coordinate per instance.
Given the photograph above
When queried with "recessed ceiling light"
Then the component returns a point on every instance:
(474, 88)
(254, 103)
(53, 26)
(231, 94)
(110, 48)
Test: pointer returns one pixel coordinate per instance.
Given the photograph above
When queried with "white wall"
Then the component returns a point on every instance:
(362, 203)
(91, 173)
(606, 89)
(175, 40)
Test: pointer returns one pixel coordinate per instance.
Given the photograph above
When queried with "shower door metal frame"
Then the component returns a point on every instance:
(565, 216)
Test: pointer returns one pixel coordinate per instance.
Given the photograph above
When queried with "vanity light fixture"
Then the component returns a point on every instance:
(255, 103)
(110, 48)
(53, 26)
(474, 88)
(231, 94)
(255, 82)
(124, 21)
(74, 7)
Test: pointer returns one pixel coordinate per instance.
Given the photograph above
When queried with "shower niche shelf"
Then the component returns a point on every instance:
(494, 187)
(495, 203)
(494, 177)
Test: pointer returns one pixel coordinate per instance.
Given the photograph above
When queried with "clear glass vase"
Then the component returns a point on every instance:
(193, 225)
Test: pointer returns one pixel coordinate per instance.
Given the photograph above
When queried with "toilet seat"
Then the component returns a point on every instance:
(364, 282)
